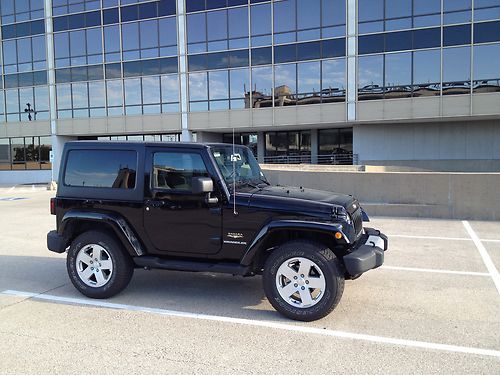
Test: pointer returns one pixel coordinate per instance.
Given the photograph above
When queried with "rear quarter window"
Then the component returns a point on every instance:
(101, 169)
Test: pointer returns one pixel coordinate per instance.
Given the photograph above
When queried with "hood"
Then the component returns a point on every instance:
(299, 199)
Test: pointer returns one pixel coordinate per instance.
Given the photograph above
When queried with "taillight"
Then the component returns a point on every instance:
(52, 206)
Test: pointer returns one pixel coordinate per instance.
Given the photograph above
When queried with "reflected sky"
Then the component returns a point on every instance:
(137, 92)
(426, 66)
(371, 70)
(262, 80)
(456, 64)
(398, 69)
(308, 77)
(198, 88)
(218, 85)
(285, 75)
(333, 74)
(487, 61)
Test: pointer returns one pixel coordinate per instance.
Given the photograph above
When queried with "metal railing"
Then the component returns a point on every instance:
(288, 159)
(338, 159)
(331, 159)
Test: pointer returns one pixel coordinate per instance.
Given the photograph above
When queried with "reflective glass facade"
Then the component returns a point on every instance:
(109, 58)
(24, 64)
(413, 48)
(25, 153)
(115, 58)
(261, 54)
(120, 57)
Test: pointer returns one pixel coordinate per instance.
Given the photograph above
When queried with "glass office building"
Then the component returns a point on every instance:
(386, 82)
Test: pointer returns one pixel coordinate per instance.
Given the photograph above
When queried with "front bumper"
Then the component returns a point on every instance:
(56, 242)
(368, 254)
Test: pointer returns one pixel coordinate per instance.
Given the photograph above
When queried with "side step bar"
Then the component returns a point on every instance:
(184, 265)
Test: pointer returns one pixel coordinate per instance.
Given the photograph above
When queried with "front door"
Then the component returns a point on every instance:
(175, 219)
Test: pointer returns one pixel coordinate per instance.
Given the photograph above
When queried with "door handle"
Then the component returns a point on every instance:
(154, 204)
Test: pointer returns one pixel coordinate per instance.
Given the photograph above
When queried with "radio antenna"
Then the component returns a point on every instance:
(233, 157)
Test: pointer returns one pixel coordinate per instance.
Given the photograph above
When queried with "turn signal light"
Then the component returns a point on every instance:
(338, 235)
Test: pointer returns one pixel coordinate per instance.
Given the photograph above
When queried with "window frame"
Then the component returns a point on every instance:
(150, 162)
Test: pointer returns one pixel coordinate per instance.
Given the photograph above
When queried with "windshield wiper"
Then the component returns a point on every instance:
(261, 180)
(247, 183)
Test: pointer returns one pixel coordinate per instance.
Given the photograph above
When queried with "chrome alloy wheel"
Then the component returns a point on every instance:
(300, 282)
(94, 265)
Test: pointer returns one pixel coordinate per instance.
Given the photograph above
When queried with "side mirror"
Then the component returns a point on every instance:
(202, 185)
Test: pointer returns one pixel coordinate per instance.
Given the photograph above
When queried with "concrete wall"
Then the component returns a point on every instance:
(429, 107)
(299, 117)
(437, 145)
(439, 195)
(160, 123)
(11, 178)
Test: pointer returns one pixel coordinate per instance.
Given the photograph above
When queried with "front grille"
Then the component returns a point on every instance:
(357, 219)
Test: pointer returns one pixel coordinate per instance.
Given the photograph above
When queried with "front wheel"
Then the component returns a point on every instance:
(98, 266)
(303, 280)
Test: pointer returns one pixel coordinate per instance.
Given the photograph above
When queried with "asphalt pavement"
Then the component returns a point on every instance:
(434, 307)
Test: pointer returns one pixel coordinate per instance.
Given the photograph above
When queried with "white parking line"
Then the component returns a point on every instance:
(433, 270)
(262, 323)
(430, 237)
(484, 254)
(438, 238)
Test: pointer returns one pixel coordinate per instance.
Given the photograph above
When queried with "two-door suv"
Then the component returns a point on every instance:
(206, 208)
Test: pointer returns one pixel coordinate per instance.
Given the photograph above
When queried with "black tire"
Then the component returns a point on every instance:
(327, 262)
(123, 266)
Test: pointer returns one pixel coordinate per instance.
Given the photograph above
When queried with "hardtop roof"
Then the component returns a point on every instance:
(134, 144)
(137, 144)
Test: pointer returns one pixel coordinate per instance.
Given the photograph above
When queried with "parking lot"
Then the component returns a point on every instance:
(434, 307)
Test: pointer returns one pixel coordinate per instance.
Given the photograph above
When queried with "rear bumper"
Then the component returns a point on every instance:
(56, 242)
(368, 254)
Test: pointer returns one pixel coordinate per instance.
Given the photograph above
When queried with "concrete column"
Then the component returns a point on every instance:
(351, 88)
(57, 144)
(261, 146)
(314, 146)
(183, 77)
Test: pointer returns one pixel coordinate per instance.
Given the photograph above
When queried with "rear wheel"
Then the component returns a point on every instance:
(98, 266)
(303, 280)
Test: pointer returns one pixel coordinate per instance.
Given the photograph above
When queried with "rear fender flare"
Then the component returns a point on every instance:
(117, 223)
(302, 225)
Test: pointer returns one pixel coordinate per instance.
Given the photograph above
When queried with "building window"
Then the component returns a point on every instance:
(288, 147)
(335, 146)
(426, 73)
(398, 75)
(371, 77)
(30, 153)
(141, 95)
(17, 11)
(142, 137)
(456, 71)
(401, 75)
(486, 72)
(379, 15)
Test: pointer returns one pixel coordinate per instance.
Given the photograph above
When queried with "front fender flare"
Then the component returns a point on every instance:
(116, 222)
(266, 230)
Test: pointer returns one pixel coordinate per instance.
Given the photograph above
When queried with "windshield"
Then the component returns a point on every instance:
(246, 168)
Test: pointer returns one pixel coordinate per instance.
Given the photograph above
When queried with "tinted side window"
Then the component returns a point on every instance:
(101, 168)
(175, 170)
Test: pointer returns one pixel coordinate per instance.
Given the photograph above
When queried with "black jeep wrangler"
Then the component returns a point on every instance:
(206, 208)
